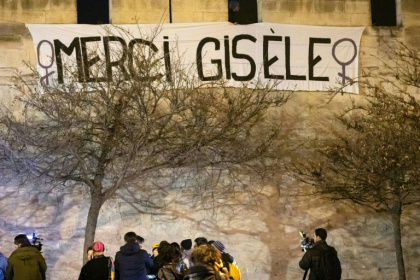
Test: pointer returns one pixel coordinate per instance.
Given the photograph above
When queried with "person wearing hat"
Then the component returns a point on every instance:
(157, 261)
(99, 267)
(155, 251)
(186, 250)
(226, 257)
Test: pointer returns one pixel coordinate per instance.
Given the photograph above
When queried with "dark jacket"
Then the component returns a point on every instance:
(26, 263)
(227, 259)
(205, 272)
(168, 272)
(157, 264)
(97, 268)
(131, 263)
(312, 259)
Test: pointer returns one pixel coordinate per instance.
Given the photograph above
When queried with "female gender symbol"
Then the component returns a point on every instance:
(343, 64)
(47, 74)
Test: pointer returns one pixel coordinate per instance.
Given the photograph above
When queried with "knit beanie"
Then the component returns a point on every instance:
(186, 244)
(98, 246)
(219, 246)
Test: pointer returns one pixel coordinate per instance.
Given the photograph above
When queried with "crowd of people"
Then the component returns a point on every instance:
(206, 260)
(167, 261)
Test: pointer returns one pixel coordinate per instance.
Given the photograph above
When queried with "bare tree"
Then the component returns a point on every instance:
(111, 131)
(373, 158)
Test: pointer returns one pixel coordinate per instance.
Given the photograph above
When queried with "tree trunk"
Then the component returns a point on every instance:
(396, 222)
(92, 220)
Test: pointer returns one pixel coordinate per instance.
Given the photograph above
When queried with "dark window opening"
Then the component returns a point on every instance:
(243, 11)
(93, 11)
(384, 12)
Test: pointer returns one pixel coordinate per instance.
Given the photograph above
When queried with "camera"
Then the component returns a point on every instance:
(36, 241)
(306, 243)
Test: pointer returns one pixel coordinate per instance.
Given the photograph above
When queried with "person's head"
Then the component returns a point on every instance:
(219, 246)
(205, 254)
(320, 234)
(21, 240)
(162, 246)
(163, 243)
(169, 253)
(130, 237)
(176, 246)
(89, 252)
(186, 244)
(200, 241)
(155, 251)
(140, 240)
(98, 248)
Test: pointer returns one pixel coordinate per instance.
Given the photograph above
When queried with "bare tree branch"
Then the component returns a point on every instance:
(111, 131)
(374, 159)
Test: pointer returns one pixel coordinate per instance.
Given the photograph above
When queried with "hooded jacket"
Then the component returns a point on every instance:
(26, 263)
(131, 262)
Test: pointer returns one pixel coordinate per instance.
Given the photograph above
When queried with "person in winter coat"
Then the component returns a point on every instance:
(315, 259)
(26, 262)
(206, 260)
(186, 251)
(226, 257)
(157, 259)
(3, 265)
(170, 256)
(99, 267)
(131, 262)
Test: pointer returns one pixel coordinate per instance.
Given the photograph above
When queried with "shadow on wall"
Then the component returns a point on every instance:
(257, 222)
(56, 214)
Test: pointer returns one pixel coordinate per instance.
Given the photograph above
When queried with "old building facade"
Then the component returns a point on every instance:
(263, 237)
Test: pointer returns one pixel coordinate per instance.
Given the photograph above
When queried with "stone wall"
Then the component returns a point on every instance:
(38, 11)
(153, 11)
(262, 232)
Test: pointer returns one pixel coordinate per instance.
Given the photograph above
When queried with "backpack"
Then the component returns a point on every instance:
(234, 272)
(167, 274)
(111, 269)
(330, 267)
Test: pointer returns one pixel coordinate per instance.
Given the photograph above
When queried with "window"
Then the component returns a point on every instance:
(93, 11)
(384, 12)
(243, 11)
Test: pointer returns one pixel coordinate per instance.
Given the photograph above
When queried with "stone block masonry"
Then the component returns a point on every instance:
(262, 235)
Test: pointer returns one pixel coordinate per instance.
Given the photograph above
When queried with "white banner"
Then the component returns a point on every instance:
(306, 58)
